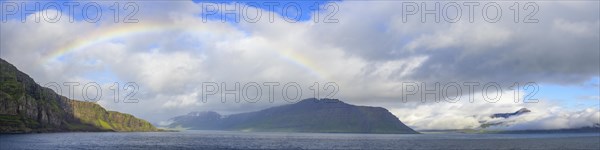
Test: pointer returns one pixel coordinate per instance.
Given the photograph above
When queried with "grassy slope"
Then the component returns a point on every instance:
(28, 107)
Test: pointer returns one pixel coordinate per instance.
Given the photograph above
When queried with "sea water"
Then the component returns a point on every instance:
(268, 140)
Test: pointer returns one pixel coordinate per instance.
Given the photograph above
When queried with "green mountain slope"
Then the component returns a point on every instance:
(310, 115)
(26, 106)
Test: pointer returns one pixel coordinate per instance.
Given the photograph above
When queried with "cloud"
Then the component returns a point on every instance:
(463, 114)
(368, 54)
(480, 51)
(558, 119)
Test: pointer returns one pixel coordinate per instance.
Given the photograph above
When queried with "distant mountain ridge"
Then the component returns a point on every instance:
(507, 115)
(26, 106)
(309, 115)
(503, 117)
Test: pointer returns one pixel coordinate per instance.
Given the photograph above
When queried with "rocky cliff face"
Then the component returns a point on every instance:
(310, 115)
(26, 106)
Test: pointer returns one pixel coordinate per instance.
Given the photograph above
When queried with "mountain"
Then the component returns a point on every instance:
(507, 115)
(309, 115)
(590, 129)
(26, 106)
(208, 120)
(502, 117)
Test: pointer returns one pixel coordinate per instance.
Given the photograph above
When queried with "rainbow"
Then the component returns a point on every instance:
(109, 33)
(114, 32)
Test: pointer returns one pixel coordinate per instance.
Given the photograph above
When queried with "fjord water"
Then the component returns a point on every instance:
(254, 140)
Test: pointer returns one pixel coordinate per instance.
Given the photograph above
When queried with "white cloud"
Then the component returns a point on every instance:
(558, 118)
(465, 115)
(369, 53)
(183, 101)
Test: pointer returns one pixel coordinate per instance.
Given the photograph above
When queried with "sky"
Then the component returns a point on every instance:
(159, 59)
